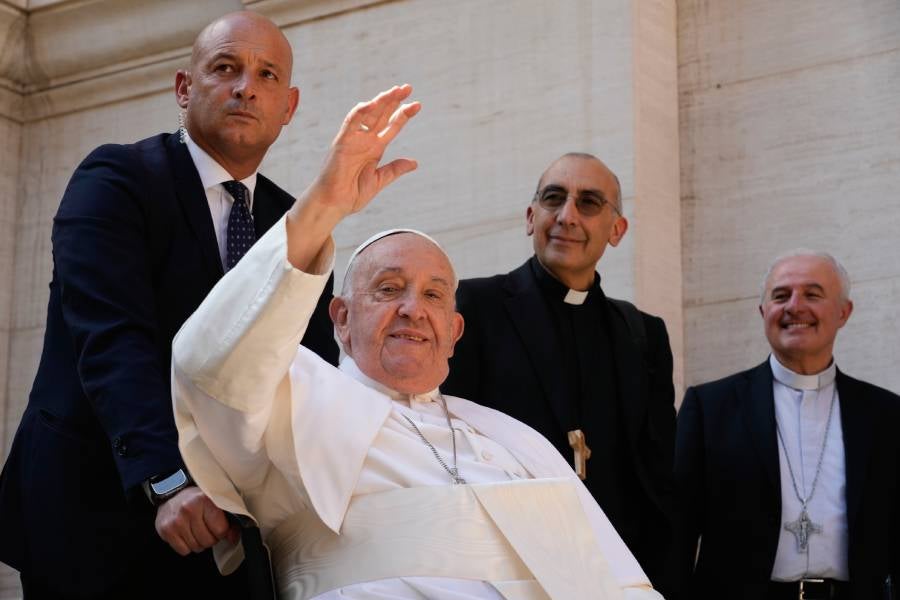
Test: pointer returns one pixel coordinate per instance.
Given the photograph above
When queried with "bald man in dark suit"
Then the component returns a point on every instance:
(545, 345)
(94, 482)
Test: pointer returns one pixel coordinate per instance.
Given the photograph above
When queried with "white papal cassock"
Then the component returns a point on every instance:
(349, 499)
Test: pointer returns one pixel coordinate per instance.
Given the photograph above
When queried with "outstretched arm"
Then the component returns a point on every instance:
(231, 356)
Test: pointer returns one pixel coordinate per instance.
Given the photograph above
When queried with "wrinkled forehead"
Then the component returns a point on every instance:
(409, 252)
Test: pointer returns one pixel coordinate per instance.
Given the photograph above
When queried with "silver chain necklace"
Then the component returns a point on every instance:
(803, 526)
(455, 477)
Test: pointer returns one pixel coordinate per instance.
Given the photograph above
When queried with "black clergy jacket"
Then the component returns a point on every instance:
(729, 486)
(511, 358)
(134, 254)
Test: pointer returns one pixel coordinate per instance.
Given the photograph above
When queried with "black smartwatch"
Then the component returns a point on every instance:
(162, 487)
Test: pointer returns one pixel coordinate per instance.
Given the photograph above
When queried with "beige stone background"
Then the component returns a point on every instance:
(739, 129)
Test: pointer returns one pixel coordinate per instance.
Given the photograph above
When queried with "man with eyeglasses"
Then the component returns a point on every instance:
(592, 374)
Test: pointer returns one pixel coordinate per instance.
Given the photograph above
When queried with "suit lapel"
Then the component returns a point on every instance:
(757, 403)
(631, 386)
(192, 198)
(266, 206)
(858, 425)
(523, 302)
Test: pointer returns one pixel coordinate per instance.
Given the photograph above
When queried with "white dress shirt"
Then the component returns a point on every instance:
(802, 404)
(271, 430)
(212, 174)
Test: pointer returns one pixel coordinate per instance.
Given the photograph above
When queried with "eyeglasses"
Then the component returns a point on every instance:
(588, 204)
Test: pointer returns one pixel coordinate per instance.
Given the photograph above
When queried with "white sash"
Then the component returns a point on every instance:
(530, 539)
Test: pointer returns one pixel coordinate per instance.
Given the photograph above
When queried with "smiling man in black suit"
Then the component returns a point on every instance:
(94, 478)
(790, 472)
(545, 345)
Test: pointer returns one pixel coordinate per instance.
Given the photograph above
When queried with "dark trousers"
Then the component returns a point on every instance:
(196, 577)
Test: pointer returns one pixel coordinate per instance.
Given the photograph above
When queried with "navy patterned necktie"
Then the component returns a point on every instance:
(241, 233)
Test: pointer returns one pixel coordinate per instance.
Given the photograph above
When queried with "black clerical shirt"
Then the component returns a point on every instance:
(589, 379)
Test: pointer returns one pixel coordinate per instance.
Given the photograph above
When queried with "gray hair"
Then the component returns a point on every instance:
(840, 271)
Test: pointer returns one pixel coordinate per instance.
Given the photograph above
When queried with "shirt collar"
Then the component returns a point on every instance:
(555, 289)
(212, 174)
(349, 367)
(785, 376)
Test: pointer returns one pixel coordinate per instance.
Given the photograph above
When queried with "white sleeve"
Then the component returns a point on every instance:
(229, 361)
(240, 342)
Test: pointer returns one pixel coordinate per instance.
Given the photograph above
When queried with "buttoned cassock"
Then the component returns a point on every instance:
(271, 431)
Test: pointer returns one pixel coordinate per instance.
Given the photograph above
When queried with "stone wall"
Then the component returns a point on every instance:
(789, 129)
(504, 90)
(11, 133)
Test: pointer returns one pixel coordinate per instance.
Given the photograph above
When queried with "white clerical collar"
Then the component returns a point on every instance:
(212, 173)
(797, 381)
(576, 297)
(551, 285)
(349, 367)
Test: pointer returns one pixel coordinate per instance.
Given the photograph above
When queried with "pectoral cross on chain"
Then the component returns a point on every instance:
(802, 528)
(582, 452)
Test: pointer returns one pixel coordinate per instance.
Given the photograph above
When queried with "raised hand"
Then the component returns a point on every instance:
(351, 177)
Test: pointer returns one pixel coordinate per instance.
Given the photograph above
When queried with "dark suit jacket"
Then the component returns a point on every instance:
(134, 253)
(509, 359)
(728, 477)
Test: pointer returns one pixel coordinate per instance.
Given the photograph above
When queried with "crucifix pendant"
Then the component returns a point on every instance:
(582, 452)
(802, 528)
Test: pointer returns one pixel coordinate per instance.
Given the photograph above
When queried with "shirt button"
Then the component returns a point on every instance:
(486, 455)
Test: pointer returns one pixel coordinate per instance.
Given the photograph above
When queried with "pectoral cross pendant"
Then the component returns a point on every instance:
(582, 452)
(802, 528)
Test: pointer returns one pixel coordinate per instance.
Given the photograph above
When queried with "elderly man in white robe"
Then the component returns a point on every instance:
(365, 481)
